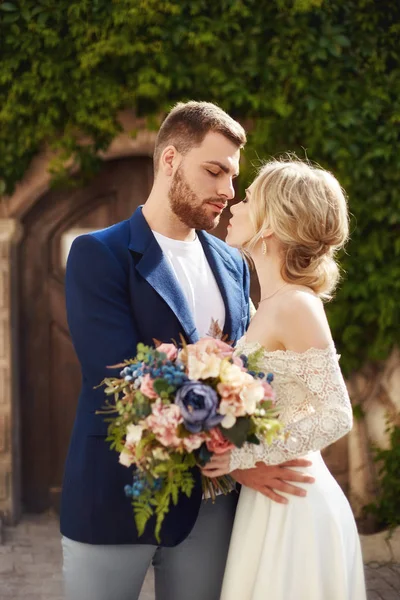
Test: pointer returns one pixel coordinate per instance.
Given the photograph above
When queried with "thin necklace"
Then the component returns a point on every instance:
(273, 293)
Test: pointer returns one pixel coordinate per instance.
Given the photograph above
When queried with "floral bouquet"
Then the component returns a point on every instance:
(175, 409)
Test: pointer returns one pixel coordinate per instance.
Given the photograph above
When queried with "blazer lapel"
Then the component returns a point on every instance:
(154, 268)
(230, 286)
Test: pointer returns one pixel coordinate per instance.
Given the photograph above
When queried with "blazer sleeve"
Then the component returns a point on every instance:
(99, 313)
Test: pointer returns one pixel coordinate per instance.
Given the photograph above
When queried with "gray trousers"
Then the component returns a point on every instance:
(193, 570)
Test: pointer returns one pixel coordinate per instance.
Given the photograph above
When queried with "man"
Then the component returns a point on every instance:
(156, 275)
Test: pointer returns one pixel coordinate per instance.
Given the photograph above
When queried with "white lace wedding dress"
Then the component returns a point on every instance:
(309, 548)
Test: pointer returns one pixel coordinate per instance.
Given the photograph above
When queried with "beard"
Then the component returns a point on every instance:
(187, 206)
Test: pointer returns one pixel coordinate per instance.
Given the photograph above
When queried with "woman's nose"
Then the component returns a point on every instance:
(232, 208)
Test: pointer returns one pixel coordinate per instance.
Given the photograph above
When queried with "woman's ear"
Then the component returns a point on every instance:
(267, 232)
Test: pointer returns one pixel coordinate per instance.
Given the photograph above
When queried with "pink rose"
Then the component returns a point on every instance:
(147, 387)
(192, 442)
(169, 349)
(164, 422)
(218, 443)
(231, 402)
(268, 391)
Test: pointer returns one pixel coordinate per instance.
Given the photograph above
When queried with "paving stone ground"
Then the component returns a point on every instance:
(30, 565)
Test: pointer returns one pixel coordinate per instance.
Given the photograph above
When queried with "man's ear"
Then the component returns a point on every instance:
(169, 160)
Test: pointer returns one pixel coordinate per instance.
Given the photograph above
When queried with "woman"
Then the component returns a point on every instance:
(292, 221)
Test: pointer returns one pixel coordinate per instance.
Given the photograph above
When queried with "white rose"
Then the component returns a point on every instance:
(228, 421)
(133, 434)
(250, 395)
(212, 366)
(195, 367)
(126, 458)
(160, 454)
(233, 375)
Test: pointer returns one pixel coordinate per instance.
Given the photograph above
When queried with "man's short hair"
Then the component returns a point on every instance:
(188, 123)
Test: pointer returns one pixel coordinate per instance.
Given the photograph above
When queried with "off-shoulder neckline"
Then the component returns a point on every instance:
(329, 348)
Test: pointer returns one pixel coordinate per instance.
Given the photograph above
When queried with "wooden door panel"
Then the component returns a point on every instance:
(50, 378)
(57, 309)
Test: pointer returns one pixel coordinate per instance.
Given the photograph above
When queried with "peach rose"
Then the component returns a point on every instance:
(146, 387)
(218, 443)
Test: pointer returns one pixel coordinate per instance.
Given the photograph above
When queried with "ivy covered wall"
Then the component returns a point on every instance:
(318, 77)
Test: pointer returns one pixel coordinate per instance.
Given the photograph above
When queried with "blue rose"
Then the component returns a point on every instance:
(198, 404)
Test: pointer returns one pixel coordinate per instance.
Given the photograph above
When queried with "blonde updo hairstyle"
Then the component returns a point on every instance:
(306, 209)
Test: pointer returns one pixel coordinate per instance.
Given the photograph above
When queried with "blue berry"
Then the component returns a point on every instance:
(128, 491)
(244, 359)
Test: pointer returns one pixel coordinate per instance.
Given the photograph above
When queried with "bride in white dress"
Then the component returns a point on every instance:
(292, 221)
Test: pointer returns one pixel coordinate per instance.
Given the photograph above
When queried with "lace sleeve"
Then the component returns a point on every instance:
(318, 373)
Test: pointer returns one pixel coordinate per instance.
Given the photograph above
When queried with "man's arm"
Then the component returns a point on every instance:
(98, 309)
(266, 479)
(270, 479)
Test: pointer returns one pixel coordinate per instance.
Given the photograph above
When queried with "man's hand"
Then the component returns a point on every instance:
(267, 478)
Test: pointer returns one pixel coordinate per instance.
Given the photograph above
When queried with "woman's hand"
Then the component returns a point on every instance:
(218, 465)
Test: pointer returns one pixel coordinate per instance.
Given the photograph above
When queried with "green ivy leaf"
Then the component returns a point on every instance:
(10, 18)
(8, 7)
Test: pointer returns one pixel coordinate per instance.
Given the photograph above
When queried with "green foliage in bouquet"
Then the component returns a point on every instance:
(180, 479)
(310, 76)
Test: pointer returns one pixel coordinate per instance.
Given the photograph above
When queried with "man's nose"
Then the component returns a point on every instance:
(227, 190)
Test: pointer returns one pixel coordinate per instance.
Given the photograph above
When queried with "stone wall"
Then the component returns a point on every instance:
(10, 234)
(375, 389)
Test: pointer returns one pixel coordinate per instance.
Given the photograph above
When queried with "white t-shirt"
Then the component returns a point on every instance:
(191, 268)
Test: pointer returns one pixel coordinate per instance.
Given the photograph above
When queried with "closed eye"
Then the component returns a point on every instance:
(212, 173)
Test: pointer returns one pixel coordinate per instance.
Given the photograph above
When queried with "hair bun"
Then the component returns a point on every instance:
(306, 209)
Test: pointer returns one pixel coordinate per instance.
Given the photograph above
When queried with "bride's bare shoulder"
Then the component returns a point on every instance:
(302, 321)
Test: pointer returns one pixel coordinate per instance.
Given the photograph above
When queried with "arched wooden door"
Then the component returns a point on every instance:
(49, 370)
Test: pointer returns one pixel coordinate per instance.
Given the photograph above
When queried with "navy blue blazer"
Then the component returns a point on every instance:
(120, 290)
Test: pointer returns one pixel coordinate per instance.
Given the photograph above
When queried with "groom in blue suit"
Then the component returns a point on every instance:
(157, 275)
